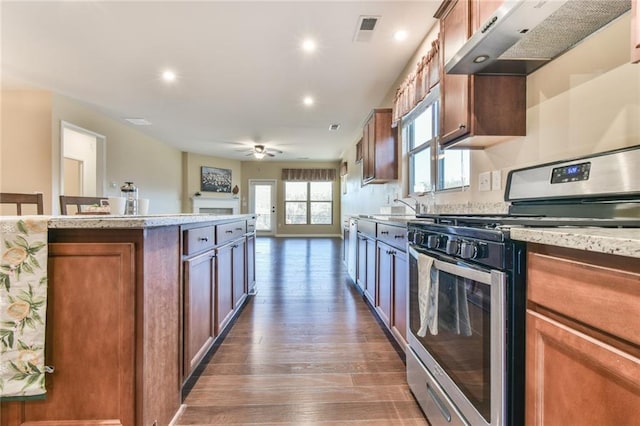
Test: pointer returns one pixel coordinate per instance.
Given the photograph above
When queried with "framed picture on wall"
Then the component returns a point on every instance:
(213, 179)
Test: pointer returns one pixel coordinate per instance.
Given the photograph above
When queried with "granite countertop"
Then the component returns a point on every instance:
(618, 241)
(136, 222)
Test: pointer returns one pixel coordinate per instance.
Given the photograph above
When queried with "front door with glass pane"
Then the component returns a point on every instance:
(262, 202)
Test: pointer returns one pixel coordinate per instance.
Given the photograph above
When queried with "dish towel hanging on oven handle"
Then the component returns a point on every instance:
(427, 295)
(23, 305)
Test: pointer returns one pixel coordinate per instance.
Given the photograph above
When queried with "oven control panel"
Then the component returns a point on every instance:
(571, 173)
(462, 247)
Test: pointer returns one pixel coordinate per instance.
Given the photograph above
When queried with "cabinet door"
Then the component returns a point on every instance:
(93, 384)
(361, 270)
(455, 114)
(635, 31)
(199, 309)
(575, 379)
(368, 150)
(251, 264)
(370, 280)
(384, 276)
(238, 275)
(223, 287)
(400, 284)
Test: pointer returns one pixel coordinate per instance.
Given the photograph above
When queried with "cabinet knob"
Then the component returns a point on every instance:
(49, 369)
(203, 239)
(462, 126)
(229, 231)
(384, 232)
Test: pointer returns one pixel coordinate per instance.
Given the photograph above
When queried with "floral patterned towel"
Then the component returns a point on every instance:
(23, 303)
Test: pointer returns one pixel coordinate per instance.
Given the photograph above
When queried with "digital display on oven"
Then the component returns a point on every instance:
(571, 173)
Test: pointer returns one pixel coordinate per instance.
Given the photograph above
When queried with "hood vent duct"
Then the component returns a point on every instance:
(521, 36)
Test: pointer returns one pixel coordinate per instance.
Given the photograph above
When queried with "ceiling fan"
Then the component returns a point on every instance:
(259, 151)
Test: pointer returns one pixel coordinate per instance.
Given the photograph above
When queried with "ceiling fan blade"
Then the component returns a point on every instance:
(275, 151)
(270, 154)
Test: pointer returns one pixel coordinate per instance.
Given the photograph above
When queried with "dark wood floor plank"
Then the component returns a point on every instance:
(306, 350)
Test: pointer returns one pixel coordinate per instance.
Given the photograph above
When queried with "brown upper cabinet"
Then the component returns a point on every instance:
(476, 110)
(379, 148)
(635, 31)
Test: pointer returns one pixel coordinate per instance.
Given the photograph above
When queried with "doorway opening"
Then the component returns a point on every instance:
(82, 161)
(262, 202)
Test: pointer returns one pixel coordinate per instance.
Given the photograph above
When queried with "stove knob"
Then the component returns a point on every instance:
(433, 241)
(468, 250)
(452, 246)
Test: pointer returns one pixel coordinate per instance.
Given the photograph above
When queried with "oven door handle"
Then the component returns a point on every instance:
(478, 275)
(443, 409)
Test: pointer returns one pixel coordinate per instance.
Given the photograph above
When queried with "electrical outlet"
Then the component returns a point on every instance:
(496, 180)
(484, 181)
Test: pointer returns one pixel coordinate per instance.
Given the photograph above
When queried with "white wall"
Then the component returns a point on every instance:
(153, 166)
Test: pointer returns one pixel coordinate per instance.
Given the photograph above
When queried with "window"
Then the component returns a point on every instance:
(308, 203)
(427, 172)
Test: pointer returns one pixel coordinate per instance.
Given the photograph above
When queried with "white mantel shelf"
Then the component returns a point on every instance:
(198, 203)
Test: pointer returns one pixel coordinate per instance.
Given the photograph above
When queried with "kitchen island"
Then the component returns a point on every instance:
(121, 314)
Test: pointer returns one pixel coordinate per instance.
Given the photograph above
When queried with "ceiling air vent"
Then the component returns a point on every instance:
(365, 28)
(334, 127)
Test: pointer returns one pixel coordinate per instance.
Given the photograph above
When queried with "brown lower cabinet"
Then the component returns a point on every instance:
(130, 314)
(199, 308)
(382, 272)
(583, 338)
(112, 330)
(392, 289)
(215, 286)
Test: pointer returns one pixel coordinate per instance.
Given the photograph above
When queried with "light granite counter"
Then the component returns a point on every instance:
(137, 222)
(618, 241)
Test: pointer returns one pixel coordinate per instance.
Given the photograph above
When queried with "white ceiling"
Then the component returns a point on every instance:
(241, 72)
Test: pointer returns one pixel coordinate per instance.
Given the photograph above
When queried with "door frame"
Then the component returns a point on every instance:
(274, 202)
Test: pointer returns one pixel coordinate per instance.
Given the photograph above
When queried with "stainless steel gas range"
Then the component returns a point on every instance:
(467, 287)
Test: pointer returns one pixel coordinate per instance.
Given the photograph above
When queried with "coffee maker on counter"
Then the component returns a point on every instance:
(130, 192)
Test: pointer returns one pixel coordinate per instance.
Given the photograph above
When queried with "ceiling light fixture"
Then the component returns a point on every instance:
(480, 59)
(400, 35)
(259, 151)
(168, 76)
(308, 45)
(308, 100)
(138, 121)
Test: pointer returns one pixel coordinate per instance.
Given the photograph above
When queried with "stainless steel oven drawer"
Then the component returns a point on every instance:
(435, 403)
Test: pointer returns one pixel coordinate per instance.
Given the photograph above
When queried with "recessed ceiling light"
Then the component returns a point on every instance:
(308, 100)
(168, 76)
(138, 121)
(400, 35)
(309, 45)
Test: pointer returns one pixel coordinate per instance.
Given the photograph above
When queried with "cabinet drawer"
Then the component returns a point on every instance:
(251, 225)
(592, 289)
(230, 231)
(199, 239)
(395, 236)
(367, 228)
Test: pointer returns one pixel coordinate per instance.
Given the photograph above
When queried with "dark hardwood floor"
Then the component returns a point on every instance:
(306, 350)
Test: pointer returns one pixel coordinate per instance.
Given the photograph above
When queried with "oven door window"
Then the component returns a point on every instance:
(454, 327)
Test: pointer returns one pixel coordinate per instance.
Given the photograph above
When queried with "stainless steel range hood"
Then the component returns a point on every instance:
(523, 35)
